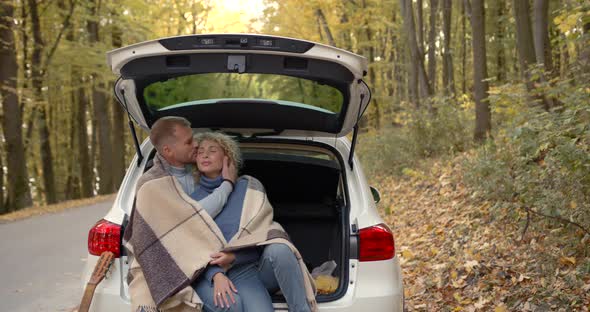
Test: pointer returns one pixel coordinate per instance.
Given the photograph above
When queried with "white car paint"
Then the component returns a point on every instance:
(372, 286)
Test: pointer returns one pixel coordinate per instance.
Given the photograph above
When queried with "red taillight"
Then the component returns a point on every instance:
(104, 236)
(376, 243)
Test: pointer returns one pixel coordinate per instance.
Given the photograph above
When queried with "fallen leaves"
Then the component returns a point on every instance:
(460, 254)
(567, 260)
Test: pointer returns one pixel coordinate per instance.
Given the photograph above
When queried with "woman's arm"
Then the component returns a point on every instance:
(246, 255)
(214, 203)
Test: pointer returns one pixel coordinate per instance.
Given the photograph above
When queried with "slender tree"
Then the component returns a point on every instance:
(464, 48)
(448, 71)
(416, 59)
(101, 113)
(432, 44)
(324, 26)
(483, 116)
(18, 192)
(500, 42)
(541, 34)
(526, 49)
(40, 106)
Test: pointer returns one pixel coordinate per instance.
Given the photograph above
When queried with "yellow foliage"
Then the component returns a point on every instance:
(407, 254)
(500, 308)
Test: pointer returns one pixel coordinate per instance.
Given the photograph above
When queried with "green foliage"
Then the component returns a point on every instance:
(444, 130)
(541, 161)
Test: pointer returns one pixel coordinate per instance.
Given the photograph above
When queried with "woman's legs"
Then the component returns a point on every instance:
(252, 296)
(279, 268)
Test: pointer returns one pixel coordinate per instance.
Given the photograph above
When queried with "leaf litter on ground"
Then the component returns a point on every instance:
(459, 253)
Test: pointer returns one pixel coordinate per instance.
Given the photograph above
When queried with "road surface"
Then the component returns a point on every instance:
(41, 259)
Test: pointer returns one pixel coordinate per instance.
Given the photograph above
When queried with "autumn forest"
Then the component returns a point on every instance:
(480, 120)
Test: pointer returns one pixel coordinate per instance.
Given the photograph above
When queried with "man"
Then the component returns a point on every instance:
(172, 138)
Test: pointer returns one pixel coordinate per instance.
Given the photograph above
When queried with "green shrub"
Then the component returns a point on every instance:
(444, 130)
(540, 161)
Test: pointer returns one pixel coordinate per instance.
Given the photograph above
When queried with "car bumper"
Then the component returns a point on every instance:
(373, 286)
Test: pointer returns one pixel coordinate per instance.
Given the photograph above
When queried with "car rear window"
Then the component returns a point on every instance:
(209, 88)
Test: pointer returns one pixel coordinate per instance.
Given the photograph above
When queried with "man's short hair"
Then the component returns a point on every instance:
(162, 131)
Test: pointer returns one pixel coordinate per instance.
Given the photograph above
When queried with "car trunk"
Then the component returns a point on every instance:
(305, 190)
(304, 184)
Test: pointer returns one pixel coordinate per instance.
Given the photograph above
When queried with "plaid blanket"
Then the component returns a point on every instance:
(170, 237)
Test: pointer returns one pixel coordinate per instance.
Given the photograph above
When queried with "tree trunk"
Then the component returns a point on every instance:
(345, 34)
(101, 113)
(526, 48)
(432, 45)
(541, 33)
(584, 57)
(543, 45)
(417, 59)
(18, 192)
(325, 27)
(463, 50)
(565, 59)
(40, 107)
(118, 125)
(3, 208)
(483, 118)
(420, 25)
(501, 55)
(86, 163)
(448, 70)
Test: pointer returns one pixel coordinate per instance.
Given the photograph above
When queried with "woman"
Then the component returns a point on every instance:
(252, 272)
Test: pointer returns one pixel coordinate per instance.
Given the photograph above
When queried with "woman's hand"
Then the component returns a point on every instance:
(222, 259)
(229, 170)
(223, 291)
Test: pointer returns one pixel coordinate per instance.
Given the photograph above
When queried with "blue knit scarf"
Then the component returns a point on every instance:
(228, 220)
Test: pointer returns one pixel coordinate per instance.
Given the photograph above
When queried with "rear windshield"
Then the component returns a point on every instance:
(210, 88)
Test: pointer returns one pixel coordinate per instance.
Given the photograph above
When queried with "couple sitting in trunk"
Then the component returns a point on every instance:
(207, 239)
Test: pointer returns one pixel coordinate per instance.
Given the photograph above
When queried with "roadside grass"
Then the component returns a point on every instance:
(59, 207)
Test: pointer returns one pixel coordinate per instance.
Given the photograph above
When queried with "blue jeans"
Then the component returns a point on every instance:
(251, 296)
(276, 269)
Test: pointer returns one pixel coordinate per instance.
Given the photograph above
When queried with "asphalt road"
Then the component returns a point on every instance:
(41, 259)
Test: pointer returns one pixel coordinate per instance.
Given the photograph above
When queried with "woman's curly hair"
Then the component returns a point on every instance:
(230, 146)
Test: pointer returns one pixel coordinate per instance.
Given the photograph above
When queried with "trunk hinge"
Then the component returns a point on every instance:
(356, 125)
(355, 133)
(130, 122)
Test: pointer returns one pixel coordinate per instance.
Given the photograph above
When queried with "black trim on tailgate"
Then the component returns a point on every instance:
(238, 42)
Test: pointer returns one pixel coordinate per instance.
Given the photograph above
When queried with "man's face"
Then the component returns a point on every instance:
(182, 150)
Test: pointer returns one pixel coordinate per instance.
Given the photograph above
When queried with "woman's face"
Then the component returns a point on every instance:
(210, 158)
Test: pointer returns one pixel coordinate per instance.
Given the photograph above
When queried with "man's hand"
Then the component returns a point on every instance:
(223, 291)
(229, 170)
(222, 259)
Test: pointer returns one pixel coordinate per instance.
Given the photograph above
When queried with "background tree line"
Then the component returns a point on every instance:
(444, 73)
(63, 134)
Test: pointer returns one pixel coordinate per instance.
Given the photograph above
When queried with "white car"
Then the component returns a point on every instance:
(290, 104)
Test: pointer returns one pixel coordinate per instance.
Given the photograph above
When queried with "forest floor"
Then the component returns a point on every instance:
(40, 210)
(461, 254)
